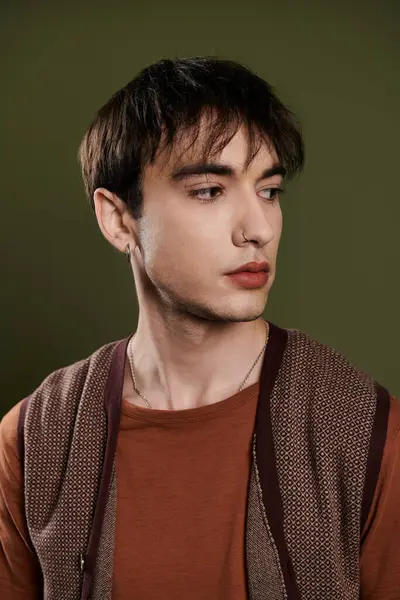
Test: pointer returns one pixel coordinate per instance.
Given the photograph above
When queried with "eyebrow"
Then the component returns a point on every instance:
(187, 171)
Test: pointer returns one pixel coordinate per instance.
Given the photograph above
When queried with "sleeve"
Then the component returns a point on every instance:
(20, 574)
(380, 550)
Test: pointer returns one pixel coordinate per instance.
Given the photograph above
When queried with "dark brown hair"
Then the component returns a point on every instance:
(171, 97)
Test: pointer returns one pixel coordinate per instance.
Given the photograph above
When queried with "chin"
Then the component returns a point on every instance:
(241, 313)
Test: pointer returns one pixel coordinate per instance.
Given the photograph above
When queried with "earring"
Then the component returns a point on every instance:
(128, 253)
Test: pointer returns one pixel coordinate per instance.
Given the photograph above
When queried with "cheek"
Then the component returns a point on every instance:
(184, 264)
(168, 250)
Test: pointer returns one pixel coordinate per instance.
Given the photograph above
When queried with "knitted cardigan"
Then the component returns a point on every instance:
(318, 442)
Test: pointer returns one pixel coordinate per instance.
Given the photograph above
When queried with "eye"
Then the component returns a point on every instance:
(271, 193)
(207, 194)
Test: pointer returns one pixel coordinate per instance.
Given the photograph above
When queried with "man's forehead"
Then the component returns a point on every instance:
(237, 151)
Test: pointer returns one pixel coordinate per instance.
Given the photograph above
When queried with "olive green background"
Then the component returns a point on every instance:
(66, 291)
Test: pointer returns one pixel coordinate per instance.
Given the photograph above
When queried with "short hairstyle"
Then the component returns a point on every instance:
(170, 98)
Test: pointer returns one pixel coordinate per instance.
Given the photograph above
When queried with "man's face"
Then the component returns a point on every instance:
(188, 243)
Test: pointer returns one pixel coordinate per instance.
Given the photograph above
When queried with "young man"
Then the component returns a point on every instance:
(211, 454)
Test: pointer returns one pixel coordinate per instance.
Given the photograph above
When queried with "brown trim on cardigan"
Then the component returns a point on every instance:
(375, 452)
(266, 459)
(112, 405)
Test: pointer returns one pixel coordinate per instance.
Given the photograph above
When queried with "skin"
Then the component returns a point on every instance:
(198, 332)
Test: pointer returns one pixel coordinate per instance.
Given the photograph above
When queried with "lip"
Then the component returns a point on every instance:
(249, 279)
(251, 267)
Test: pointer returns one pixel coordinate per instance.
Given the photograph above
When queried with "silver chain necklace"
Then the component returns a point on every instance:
(130, 357)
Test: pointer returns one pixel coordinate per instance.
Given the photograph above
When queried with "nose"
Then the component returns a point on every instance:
(257, 225)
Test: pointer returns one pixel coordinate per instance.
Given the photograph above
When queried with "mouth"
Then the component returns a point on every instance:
(251, 267)
(249, 279)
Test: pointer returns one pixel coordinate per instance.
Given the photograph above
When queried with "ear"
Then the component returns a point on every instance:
(114, 219)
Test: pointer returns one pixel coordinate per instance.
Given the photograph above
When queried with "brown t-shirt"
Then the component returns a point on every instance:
(181, 507)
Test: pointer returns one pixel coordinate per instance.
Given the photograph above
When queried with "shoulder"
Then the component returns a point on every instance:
(331, 370)
(64, 385)
(379, 525)
(393, 430)
(48, 404)
(9, 454)
(341, 391)
(299, 337)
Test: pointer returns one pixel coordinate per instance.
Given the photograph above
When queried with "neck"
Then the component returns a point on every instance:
(180, 364)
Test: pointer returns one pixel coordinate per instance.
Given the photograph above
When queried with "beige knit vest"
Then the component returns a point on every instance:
(317, 446)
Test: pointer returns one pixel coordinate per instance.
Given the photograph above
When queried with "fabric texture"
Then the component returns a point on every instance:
(206, 538)
(182, 498)
(322, 413)
(265, 574)
(65, 434)
(314, 423)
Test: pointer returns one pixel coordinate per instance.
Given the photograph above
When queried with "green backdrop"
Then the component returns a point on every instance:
(66, 291)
